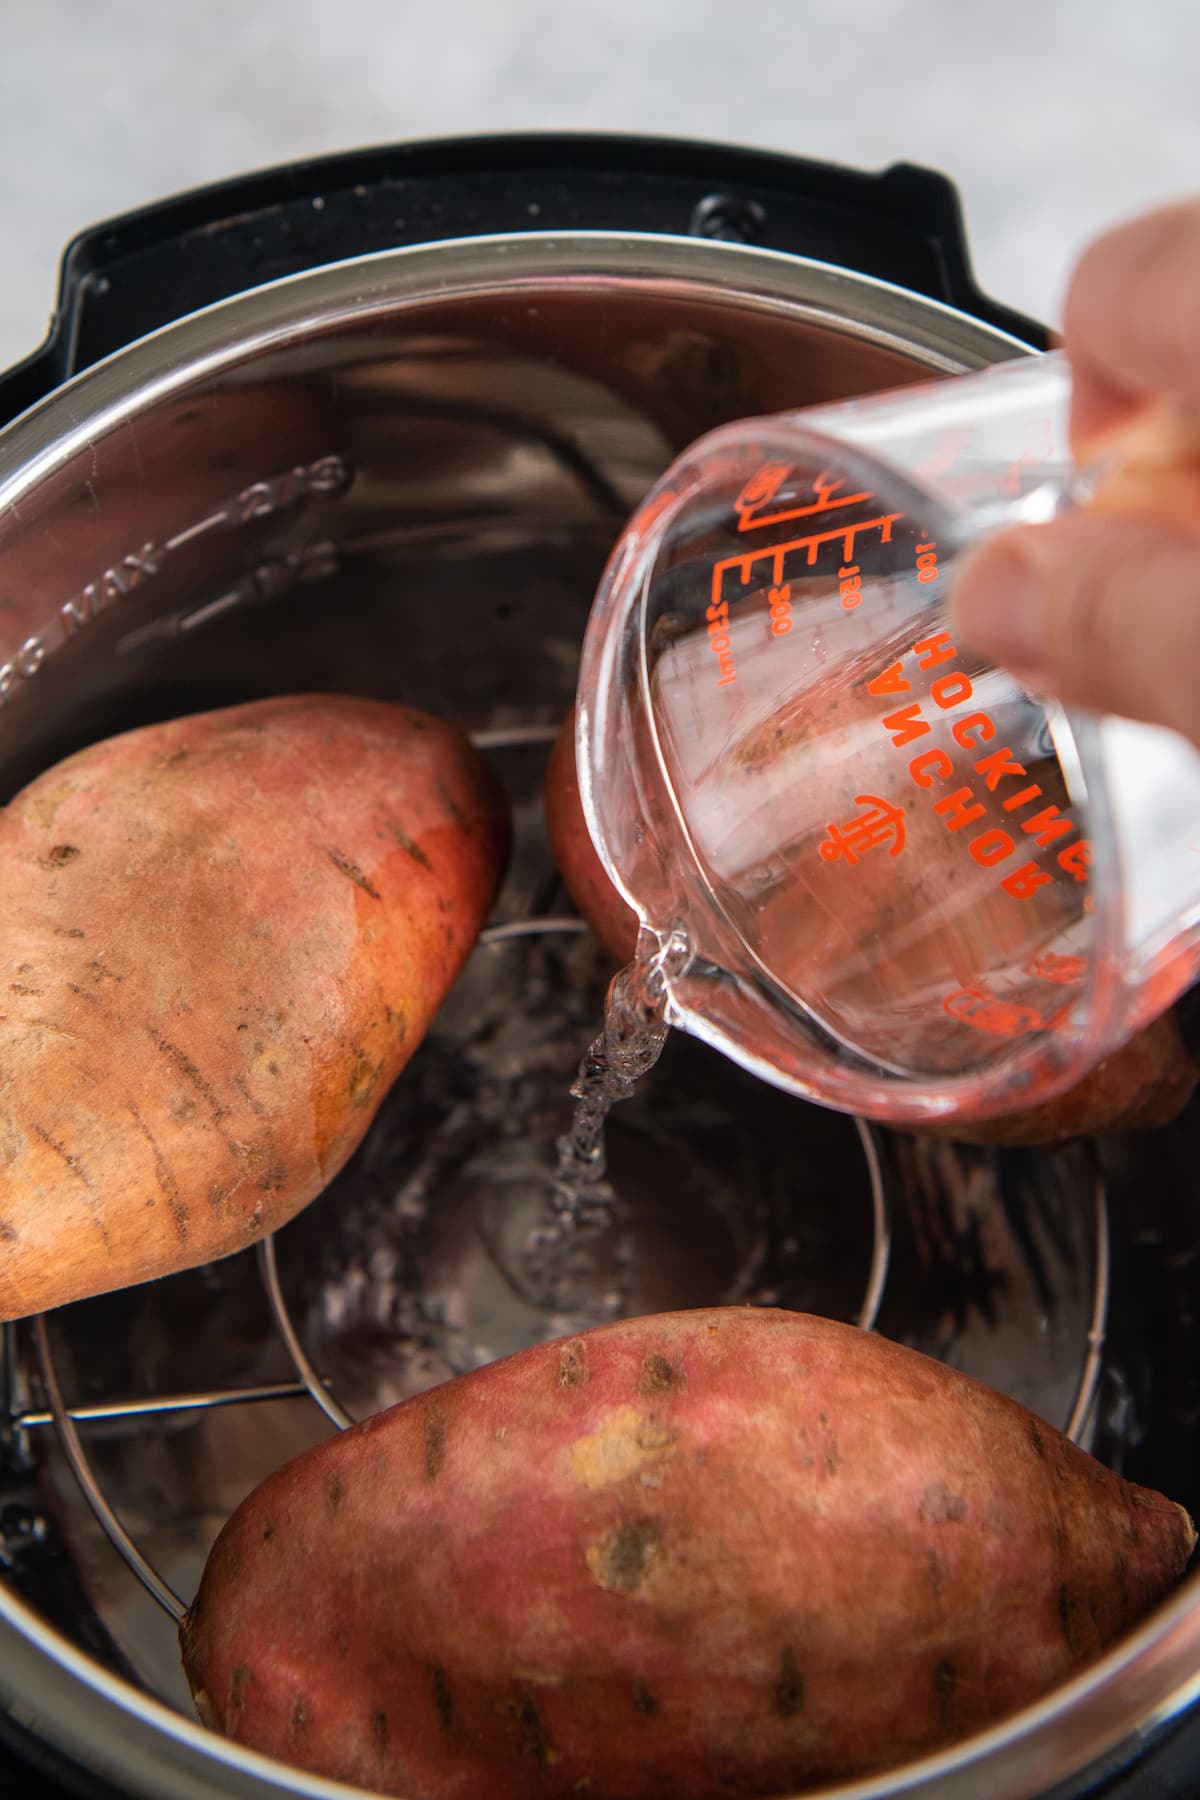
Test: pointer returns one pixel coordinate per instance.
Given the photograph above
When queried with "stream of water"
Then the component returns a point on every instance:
(583, 1203)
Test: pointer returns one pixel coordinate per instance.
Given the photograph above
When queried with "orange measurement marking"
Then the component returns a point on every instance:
(761, 489)
(927, 562)
(985, 1012)
(877, 822)
(775, 556)
(779, 606)
(1055, 967)
(850, 586)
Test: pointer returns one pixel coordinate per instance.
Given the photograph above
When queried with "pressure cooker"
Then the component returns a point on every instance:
(370, 425)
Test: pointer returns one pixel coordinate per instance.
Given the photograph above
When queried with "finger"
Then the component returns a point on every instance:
(1103, 612)
(1132, 319)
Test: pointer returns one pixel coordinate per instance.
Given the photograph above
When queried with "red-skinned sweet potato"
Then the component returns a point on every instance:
(614, 923)
(1140, 1086)
(729, 1551)
(223, 938)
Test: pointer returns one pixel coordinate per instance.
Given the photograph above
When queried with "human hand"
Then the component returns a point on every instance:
(1103, 608)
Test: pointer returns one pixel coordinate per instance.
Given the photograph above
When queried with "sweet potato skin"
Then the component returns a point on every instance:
(1142, 1085)
(223, 938)
(614, 922)
(733, 1551)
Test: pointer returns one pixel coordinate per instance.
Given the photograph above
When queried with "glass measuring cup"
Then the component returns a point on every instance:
(893, 880)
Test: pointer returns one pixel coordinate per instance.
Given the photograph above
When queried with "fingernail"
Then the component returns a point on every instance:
(997, 609)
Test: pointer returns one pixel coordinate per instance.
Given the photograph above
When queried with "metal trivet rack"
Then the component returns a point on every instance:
(65, 1420)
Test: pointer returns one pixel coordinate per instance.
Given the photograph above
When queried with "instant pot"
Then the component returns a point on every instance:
(371, 424)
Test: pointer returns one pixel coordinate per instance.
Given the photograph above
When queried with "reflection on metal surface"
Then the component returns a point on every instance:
(519, 928)
(881, 1236)
(509, 736)
(162, 1403)
(69, 1438)
(1089, 1380)
(328, 1403)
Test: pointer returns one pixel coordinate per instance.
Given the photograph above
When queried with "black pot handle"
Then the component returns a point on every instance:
(130, 275)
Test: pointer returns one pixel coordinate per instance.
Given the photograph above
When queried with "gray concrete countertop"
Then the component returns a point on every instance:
(1054, 118)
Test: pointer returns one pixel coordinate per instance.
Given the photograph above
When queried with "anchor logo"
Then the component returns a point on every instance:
(987, 1012)
(878, 822)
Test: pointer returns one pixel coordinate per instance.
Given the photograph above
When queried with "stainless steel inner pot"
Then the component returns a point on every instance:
(400, 476)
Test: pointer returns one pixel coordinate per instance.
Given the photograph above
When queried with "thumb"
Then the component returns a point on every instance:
(1102, 612)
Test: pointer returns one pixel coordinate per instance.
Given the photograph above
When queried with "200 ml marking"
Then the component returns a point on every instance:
(325, 478)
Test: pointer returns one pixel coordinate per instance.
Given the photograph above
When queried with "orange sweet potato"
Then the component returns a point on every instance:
(1143, 1084)
(614, 923)
(223, 938)
(1140, 1086)
(715, 1552)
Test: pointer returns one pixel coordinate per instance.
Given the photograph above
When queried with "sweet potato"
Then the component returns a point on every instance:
(223, 938)
(1141, 1085)
(614, 923)
(716, 1552)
